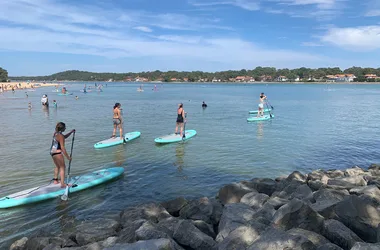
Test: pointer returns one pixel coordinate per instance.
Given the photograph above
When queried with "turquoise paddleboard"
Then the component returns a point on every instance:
(170, 138)
(117, 140)
(52, 190)
(256, 111)
(261, 118)
(64, 94)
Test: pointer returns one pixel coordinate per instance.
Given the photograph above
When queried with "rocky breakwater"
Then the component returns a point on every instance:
(331, 209)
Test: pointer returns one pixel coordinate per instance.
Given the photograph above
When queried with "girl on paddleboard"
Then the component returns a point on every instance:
(58, 150)
(117, 120)
(261, 105)
(180, 119)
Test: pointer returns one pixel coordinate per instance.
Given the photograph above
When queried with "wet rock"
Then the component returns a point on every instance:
(205, 228)
(339, 234)
(174, 206)
(37, 243)
(297, 176)
(168, 225)
(329, 246)
(201, 209)
(262, 185)
(334, 173)
(19, 244)
(234, 215)
(254, 200)
(217, 210)
(188, 235)
(315, 238)
(156, 244)
(316, 175)
(96, 230)
(361, 216)
(128, 233)
(232, 193)
(277, 202)
(149, 231)
(371, 191)
(374, 169)
(347, 182)
(326, 199)
(152, 212)
(366, 246)
(355, 171)
(240, 238)
(298, 214)
(275, 239)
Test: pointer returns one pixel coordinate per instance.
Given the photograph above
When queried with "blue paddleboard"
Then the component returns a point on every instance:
(52, 190)
(256, 111)
(64, 94)
(170, 138)
(117, 140)
(261, 118)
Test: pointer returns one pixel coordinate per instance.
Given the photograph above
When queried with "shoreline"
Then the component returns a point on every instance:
(25, 85)
(323, 209)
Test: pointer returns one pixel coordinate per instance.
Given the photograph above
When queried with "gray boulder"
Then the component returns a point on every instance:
(174, 206)
(19, 244)
(297, 176)
(302, 192)
(37, 243)
(315, 238)
(361, 216)
(234, 215)
(217, 210)
(329, 246)
(371, 191)
(188, 235)
(240, 238)
(149, 231)
(334, 173)
(52, 246)
(316, 175)
(374, 169)
(152, 212)
(265, 214)
(277, 202)
(262, 185)
(298, 214)
(339, 234)
(201, 209)
(156, 244)
(275, 239)
(96, 230)
(169, 225)
(254, 200)
(205, 228)
(286, 189)
(347, 182)
(128, 233)
(354, 171)
(366, 246)
(326, 199)
(232, 193)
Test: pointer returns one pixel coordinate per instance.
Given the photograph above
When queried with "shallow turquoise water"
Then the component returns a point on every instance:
(316, 126)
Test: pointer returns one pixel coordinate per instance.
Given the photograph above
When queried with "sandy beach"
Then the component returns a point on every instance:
(9, 86)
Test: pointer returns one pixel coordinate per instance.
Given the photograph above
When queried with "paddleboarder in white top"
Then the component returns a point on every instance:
(261, 105)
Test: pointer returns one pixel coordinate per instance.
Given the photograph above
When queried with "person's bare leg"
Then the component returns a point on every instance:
(55, 170)
(121, 132)
(114, 130)
(176, 128)
(181, 133)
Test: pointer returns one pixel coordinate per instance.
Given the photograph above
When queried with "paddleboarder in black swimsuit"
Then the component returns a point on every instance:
(180, 119)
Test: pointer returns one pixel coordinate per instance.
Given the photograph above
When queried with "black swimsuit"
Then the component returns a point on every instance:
(55, 145)
(180, 117)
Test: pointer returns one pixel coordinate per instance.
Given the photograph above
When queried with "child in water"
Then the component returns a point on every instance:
(76, 97)
(54, 103)
(29, 105)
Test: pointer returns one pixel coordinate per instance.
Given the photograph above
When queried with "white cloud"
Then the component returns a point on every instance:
(311, 44)
(250, 5)
(364, 38)
(143, 29)
(373, 13)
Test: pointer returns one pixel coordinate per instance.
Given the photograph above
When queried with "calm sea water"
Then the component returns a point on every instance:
(315, 126)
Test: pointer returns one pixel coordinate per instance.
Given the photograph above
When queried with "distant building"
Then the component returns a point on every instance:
(341, 78)
(282, 79)
(371, 76)
(244, 79)
(265, 78)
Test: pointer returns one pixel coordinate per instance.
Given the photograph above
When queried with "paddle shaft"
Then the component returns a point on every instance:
(184, 127)
(71, 154)
(270, 104)
(268, 109)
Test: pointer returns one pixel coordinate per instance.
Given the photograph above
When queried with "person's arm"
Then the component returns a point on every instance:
(61, 140)
(68, 134)
(183, 114)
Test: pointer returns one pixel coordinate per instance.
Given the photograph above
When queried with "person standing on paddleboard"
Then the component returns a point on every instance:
(117, 120)
(261, 105)
(58, 150)
(180, 119)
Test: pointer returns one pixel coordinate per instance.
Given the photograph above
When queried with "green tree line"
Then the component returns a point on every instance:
(303, 73)
(3, 75)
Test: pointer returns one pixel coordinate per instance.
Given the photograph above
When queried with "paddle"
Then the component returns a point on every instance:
(184, 128)
(270, 104)
(268, 109)
(65, 196)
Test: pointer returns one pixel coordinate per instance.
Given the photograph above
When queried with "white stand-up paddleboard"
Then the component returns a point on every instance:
(117, 140)
(170, 138)
(52, 190)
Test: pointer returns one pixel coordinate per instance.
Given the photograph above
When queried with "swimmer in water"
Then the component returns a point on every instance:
(29, 105)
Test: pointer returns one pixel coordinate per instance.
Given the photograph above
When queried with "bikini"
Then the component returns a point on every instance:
(55, 146)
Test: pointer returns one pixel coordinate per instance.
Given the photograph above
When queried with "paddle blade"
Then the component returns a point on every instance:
(65, 196)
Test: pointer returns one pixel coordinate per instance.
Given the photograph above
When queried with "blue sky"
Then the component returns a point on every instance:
(41, 37)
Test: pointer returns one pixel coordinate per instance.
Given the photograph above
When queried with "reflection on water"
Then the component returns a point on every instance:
(46, 111)
(260, 130)
(180, 162)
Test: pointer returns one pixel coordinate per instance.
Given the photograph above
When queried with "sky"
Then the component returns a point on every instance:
(42, 37)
